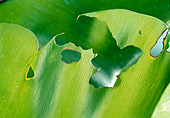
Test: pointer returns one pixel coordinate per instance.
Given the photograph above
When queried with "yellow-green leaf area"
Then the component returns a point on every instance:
(149, 77)
(54, 90)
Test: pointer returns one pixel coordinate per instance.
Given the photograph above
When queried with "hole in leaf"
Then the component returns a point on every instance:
(159, 45)
(168, 47)
(1, 1)
(70, 56)
(30, 73)
(168, 50)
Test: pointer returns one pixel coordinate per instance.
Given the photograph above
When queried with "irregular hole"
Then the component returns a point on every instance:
(1, 1)
(111, 60)
(69, 56)
(30, 73)
(168, 50)
(117, 83)
(168, 47)
(159, 45)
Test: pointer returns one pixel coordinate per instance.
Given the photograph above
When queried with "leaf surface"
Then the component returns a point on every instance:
(49, 17)
(149, 77)
(55, 85)
(162, 109)
(131, 93)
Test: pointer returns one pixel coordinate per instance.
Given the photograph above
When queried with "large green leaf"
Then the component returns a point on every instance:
(128, 92)
(17, 47)
(49, 94)
(79, 30)
(47, 18)
(149, 77)
(45, 82)
(45, 77)
(163, 108)
(56, 88)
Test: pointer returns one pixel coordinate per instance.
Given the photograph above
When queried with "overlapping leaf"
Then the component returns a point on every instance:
(162, 110)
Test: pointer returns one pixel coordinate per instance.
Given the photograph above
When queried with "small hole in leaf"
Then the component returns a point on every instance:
(69, 56)
(30, 73)
(168, 49)
(159, 45)
(1, 1)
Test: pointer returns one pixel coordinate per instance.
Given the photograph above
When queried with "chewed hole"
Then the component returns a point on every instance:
(69, 56)
(30, 73)
(168, 49)
(159, 45)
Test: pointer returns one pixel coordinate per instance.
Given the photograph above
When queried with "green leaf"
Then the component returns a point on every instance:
(49, 17)
(163, 108)
(17, 47)
(149, 77)
(78, 31)
(130, 99)
(58, 85)
(50, 91)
